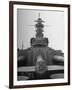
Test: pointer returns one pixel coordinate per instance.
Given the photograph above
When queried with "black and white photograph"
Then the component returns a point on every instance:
(40, 44)
(40, 48)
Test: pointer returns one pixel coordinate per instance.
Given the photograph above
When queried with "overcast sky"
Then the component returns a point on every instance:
(54, 32)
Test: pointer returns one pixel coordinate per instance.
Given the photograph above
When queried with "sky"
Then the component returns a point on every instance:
(54, 31)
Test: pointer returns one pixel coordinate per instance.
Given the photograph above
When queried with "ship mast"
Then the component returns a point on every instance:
(39, 27)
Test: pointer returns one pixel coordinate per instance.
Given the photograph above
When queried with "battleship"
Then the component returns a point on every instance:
(39, 61)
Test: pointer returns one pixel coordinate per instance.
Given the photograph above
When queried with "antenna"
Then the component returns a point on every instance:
(22, 45)
(39, 15)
